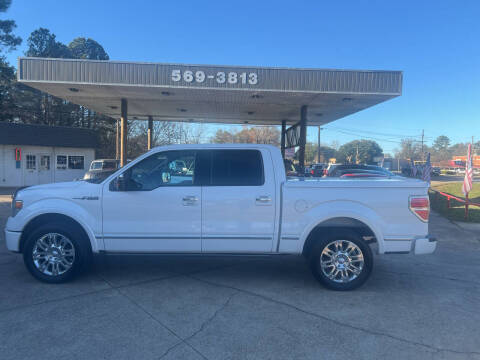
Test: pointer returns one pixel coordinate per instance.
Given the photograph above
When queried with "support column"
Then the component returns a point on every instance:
(282, 140)
(123, 132)
(319, 156)
(303, 139)
(150, 133)
(117, 141)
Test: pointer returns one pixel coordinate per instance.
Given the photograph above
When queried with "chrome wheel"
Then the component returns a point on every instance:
(341, 261)
(53, 254)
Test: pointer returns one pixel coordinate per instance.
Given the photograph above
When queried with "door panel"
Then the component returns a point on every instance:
(157, 220)
(31, 170)
(239, 218)
(44, 171)
(159, 209)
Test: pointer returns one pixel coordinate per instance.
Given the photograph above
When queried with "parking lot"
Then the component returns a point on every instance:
(185, 307)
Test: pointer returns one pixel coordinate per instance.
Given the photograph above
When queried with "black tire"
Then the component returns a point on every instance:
(82, 254)
(316, 256)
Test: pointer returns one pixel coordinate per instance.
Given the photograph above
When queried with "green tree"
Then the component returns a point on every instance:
(311, 153)
(328, 153)
(359, 152)
(42, 43)
(8, 42)
(441, 149)
(441, 143)
(82, 48)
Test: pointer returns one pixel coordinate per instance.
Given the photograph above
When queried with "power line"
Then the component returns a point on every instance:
(366, 137)
(375, 132)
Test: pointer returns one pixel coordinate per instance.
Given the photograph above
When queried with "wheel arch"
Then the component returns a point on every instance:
(336, 223)
(55, 217)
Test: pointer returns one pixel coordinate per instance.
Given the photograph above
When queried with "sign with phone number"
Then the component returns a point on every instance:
(220, 77)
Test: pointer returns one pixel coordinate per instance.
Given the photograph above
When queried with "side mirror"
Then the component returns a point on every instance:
(166, 177)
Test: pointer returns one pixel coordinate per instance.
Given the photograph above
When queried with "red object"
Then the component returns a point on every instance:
(362, 175)
(465, 201)
(420, 206)
(18, 154)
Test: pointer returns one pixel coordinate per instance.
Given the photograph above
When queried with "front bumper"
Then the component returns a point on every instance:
(12, 239)
(425, 245)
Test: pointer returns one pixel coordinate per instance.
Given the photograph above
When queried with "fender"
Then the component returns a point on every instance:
(59, 206)
(343, 208)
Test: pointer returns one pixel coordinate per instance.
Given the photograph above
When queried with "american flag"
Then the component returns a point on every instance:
(427, 170)
(467, 181)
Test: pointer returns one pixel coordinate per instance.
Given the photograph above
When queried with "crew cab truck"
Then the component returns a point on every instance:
(230, 199)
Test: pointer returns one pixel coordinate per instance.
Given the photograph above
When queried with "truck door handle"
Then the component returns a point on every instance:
(263, 200)
(189, 200)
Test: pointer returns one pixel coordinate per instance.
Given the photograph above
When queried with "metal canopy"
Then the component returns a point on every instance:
(200, 93)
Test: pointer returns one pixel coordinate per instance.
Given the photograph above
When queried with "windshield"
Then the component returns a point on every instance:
(96, 165)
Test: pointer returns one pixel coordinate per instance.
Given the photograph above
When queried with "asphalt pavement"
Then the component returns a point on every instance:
(185, 307)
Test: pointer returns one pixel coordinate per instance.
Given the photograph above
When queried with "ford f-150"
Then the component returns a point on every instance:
(220, 199)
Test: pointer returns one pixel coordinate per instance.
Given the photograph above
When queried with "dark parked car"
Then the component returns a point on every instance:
(337, 170)
(317, 170)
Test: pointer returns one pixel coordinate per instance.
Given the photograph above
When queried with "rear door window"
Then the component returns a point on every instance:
(237, 168)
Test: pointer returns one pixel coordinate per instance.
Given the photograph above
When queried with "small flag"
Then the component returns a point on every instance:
(427, 170)
(468, 180)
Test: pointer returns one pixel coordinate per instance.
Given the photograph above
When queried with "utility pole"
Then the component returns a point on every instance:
(423, 133)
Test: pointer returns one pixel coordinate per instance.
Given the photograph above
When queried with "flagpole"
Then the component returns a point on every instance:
(466, 206)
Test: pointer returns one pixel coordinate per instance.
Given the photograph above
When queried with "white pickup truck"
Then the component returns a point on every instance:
(220, 199)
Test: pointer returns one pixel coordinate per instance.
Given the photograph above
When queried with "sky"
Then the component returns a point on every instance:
(434, 43)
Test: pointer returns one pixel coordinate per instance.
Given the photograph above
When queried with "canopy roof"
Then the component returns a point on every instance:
(211, 93)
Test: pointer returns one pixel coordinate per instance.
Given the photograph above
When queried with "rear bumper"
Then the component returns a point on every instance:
(418, 246)
(12, 239)
(425, 245)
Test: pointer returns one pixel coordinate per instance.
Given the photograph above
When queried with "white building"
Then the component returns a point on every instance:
(38, 154)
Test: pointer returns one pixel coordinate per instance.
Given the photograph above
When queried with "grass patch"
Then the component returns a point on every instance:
(455, 188)
(456, 212)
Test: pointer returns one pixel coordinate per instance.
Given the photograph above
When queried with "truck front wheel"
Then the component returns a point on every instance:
(341, 260)
(55, 253)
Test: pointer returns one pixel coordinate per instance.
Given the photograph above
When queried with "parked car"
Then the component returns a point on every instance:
(101, 169)
(234, 199)
(360, 173)
(336, 170)
(316, 170)
(435, 171)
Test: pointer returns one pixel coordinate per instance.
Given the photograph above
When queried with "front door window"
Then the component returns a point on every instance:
(168, 168)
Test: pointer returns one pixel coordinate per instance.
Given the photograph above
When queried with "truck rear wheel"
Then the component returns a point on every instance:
(54, 253)
(341, 260)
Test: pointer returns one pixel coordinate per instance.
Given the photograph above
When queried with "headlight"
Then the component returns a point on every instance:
(17, 205)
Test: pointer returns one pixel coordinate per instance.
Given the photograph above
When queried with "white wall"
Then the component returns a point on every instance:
(11, 176)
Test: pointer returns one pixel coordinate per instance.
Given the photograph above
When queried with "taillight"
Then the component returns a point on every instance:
(420, 206)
